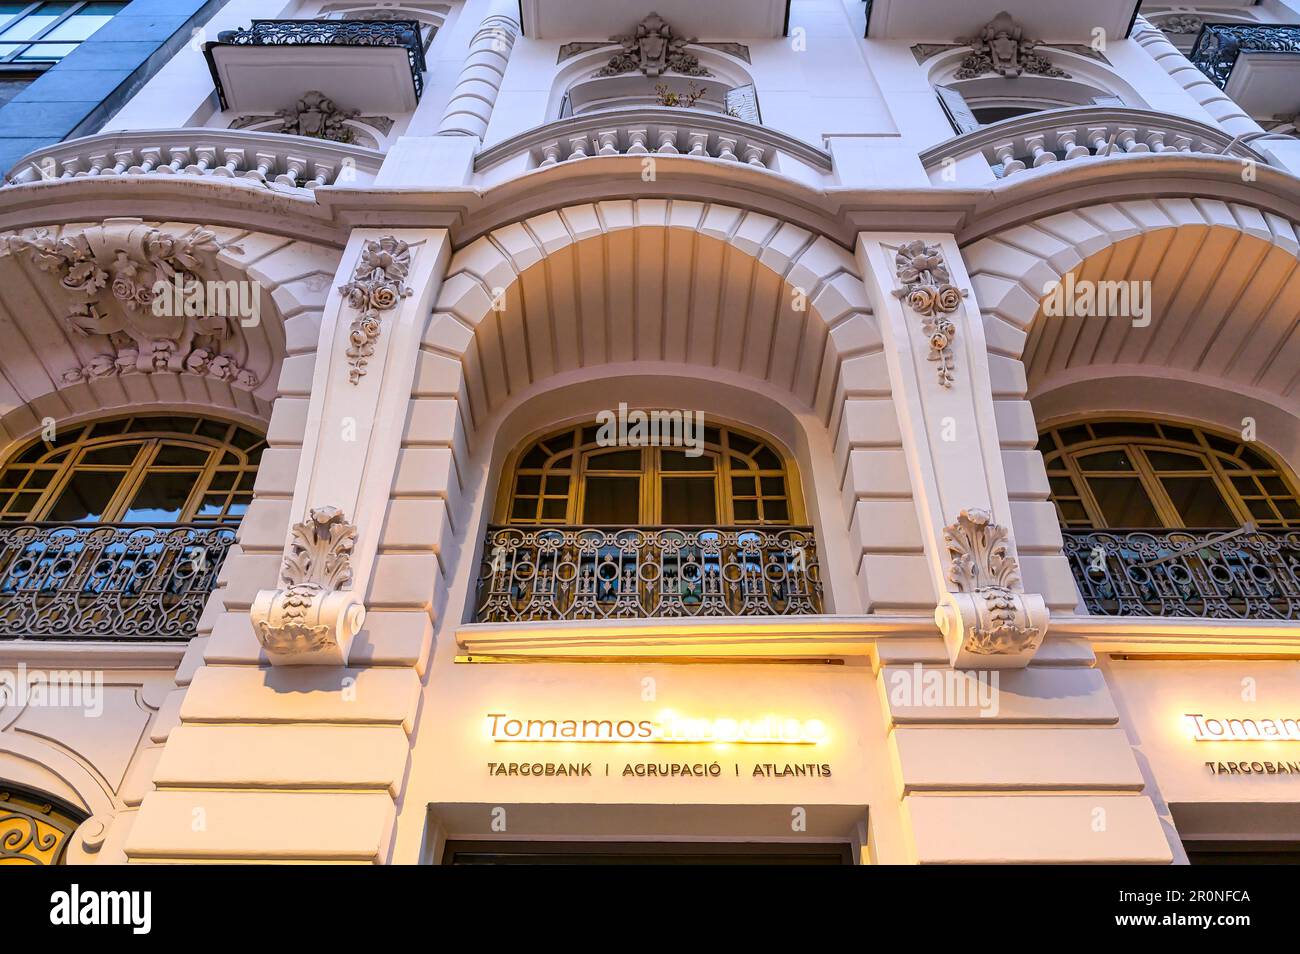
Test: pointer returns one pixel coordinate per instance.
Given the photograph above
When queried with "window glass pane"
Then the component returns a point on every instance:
(775, 511)
(615, 460)
(528, 484)
(85, 496)
(1199, 502)
(35, 22)
(524, 508)
(1106, 460)
(1123, 502)
(161, 498)
(173, 455)
(612, 500)
(681, 461)
(689, 500)
(1168, 460)
(773, 486)
(555, 508)
(123, 454)
(746, 511)
(84, 22)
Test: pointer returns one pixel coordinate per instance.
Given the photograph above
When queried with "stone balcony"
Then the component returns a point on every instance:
(654, 131)
(376, 65)
(1020, 145)
(274, 161)
(1258, 65)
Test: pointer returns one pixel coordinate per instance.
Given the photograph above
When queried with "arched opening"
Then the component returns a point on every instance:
(34, 827)
(117, 528)
(648, 515)
(1171, 519)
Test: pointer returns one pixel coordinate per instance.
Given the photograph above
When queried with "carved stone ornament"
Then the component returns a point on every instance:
(926, 289)
(134, 292)
(316, 116)
(653, 50)
(314, 616)
(989, 614)
(1181, 23)
(378, 284)
(1002, 48)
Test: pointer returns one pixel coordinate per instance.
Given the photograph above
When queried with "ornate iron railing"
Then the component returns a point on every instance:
(1243, 574)
(394, 33)
(107, 581)
(1219, 45)
(584, 573)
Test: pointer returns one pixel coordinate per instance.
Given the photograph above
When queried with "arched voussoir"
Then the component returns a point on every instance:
(651, 279)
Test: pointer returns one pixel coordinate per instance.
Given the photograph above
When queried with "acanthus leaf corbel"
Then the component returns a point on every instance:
(314, 615)
(987, 620)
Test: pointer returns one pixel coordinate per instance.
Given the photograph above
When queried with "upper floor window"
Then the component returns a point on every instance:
(136, 470)
(569, 478)
(47, 32)
(1146, 475)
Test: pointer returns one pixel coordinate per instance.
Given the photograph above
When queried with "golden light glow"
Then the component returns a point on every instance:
(667, 728)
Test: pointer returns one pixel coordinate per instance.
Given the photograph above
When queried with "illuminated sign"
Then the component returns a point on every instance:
(1244, 730)
(667, 728)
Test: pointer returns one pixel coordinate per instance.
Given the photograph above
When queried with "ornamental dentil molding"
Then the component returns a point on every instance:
(378, 284)
(926, 289)
(109, 276)
(314, 616)
(987, 619)
(653, 49)
(1002, 47)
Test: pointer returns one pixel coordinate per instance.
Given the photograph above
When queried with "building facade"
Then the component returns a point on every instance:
(802, 431)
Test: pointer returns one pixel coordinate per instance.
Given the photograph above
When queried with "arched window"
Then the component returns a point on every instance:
(591, 531)
(134, 470)
(1117, 474)
(569, 477)
(34, 828)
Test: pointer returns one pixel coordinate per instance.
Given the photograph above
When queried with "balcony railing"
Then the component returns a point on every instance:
(589, 573)
(1056, 135)
(1244, 574)
(660, 131)
(267, 160)
(107, 581)
(1220, 45)
(402, 34)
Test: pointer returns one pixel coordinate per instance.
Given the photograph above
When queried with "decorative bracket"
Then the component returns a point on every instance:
(377, 285)
(928, 291)
(314, 616)
(989, 616)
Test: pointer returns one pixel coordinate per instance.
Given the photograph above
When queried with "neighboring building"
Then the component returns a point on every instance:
(788, 432)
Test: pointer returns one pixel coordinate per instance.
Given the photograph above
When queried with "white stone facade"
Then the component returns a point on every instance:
(844, 271)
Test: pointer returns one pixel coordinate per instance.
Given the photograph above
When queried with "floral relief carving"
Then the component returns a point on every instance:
(927, 290)
(1002, 47)
(314, 612)
(111, 275)
(377, 285)
(653, 50)
(997, 619)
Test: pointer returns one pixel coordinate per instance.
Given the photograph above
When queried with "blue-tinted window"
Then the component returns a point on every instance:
(47, 32)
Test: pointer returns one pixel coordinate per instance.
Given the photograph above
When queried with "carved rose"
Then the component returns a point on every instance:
(377, 285)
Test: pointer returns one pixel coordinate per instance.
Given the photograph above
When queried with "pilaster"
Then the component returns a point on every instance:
(939, 375)
(293, 738)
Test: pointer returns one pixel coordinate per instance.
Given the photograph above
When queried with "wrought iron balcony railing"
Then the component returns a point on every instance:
(1242, 574)
(587, 573)
(391, 33)
(107, 581)
(1220, 45)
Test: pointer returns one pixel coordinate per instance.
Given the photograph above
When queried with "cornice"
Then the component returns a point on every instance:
(839, 214)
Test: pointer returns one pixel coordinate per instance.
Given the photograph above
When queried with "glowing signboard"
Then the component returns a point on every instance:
(667, 728)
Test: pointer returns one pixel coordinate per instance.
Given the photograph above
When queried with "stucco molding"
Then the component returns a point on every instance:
(926, 289)
(987, 614)
(314, 615)
(378, 285)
